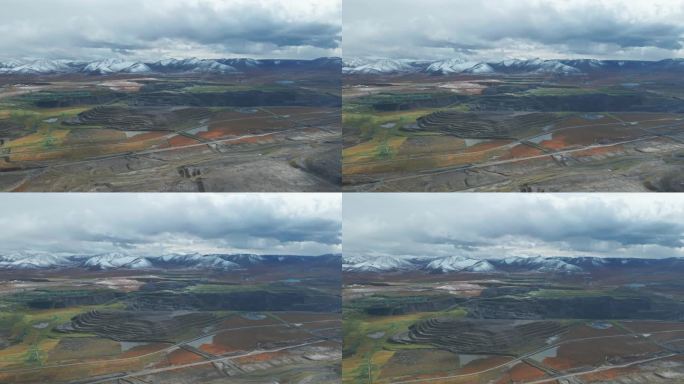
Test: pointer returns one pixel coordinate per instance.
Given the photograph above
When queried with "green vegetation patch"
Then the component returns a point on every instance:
(367, 338)
(381, 125)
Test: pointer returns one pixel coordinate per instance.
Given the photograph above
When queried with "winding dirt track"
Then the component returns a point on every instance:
(36, 171)
(199, 363)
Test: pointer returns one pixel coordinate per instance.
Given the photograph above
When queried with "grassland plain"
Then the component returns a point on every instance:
(169, 327)
(486, 328)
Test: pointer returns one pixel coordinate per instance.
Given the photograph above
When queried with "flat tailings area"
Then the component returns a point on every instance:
(489, 337)
(598, 307)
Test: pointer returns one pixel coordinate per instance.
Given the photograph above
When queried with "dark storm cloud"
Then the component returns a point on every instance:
(514, 28)
(598, 25)
(501, 225)
(286, 224)
(151, 29)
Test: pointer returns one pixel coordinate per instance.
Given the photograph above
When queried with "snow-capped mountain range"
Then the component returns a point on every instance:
(376, 264)
(117, 260)
(381, 66)
(193, 65)
(537, 264)
(515, 66)
(459, 263)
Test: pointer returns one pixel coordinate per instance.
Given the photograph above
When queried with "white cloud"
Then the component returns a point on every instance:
(500, 225)
(494, 30)
(161, 223)
(152, 29)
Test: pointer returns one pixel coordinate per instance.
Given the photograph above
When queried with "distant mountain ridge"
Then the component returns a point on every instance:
(192, 65)
(515, 66)
(116, 260)
(539, 264)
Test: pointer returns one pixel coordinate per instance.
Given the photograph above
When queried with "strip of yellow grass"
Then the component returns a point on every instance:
(384, 117)
(58, 136)
(381, 358)
(67, 111)
(31, 147)
(16, 354)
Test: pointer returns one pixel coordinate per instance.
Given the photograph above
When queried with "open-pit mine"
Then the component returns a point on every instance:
(613, 127)
(262, 126)
(618, 324)
(274, 322)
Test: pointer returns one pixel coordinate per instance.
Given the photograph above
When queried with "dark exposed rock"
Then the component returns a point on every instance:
(600, 307)
(428, 305)
(235, 301)
(72, 300)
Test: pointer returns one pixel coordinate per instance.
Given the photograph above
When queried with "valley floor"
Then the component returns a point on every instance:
(521, 328)
(167, 327)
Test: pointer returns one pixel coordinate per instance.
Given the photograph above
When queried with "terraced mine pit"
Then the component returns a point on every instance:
(136, 326)
(482, 126)
(137, 118)
(481, 337)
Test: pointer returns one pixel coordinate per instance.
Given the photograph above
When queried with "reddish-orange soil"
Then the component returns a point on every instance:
(181, 356)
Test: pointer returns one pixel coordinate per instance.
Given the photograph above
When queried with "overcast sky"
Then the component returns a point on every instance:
(501, 29)
(501, 225)
(154, 224)
(158, 29)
